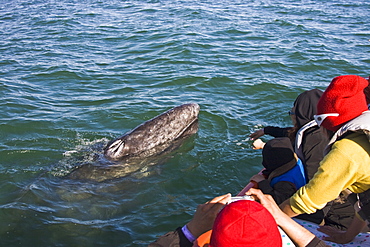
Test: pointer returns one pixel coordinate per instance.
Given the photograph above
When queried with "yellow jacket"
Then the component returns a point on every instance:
(347, 165)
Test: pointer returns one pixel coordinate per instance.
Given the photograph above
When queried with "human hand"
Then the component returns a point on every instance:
(257, 178)
(342, 237)
(299, 235)
(257, 134)
(205, 215)
(335, 235)
(268, 202)
(258, 144)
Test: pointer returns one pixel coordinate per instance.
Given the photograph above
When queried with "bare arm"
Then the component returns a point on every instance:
(202, 222)
(286, 208)
(299, 235)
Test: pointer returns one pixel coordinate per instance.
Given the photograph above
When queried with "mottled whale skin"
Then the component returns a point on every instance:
(167, 127)
(150, 143)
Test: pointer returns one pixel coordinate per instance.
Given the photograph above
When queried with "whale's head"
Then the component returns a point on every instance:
(175, 123)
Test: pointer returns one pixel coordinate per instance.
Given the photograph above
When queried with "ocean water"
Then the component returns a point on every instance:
(76, 74)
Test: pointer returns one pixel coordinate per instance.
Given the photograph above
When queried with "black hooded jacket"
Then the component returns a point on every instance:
(337, 214)
(314, 142)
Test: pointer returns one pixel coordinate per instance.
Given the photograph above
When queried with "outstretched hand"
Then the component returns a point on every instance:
(258, 144)
(343, 237)
(334, 235)
(257, 134)
(205, 215)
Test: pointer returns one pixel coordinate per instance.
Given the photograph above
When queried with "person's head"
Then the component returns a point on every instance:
(342, 101)
(305, 106)
(276, 153)
(245, 223)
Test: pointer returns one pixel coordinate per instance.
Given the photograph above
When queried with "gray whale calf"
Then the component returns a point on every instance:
(167, 127)
(148, 144)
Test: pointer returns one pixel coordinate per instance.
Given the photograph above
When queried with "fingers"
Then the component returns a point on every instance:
(221, 199)
(256, 193)
(259, 196)
(257, 134)
(334, 235)
(327, 230)
(328, 239)
(254, 136)
(322, 229)
(216, 203)
(267, 201)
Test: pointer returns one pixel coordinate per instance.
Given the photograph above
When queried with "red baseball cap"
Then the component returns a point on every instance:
(245, 223)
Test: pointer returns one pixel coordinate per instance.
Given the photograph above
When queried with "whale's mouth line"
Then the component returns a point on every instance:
(186, 128)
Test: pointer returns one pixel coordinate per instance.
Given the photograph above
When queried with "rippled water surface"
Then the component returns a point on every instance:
(75, 74)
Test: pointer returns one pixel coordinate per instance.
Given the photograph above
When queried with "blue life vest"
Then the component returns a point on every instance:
(296, 175)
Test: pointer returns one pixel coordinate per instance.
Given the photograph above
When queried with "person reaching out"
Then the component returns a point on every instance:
(343, 115)
(284, 173)
(309, 144)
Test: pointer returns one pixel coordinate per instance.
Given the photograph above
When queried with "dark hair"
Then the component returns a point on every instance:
(367, 92)
(304, 108)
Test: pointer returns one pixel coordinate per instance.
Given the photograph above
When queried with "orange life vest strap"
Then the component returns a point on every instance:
(203, 240)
